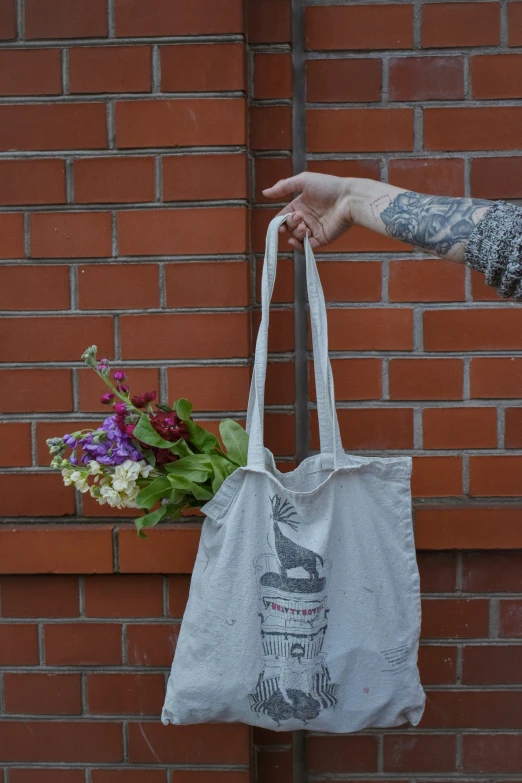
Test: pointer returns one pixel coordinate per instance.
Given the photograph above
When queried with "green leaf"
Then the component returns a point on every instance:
(190, 487)
(194, 467)
(145, 432)
(184, 408)
(219, 477)
(236, 441)
(201, 438)
(155, 491)
(181, 448)
(164, 408)
(150, 457)
(149, 520)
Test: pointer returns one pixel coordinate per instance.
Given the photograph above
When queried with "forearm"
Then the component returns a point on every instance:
(437, 224)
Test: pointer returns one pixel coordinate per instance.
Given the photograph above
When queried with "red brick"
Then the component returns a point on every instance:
(468, 528)
(515, 24)
(48, 775)
(55, 549)
(36, 495)
(426, 281)
(426, 379)
(346, 168)
(497, 572)
(495, 476)
(497, 76)
(179, 586)
(123, 596)
(34, 288)
(7, 20)
(46, 126)
(170, 549)
(30, 72)
(203, 744)
(510, 618)
(269, 21)
(437, 176)
(459, 428)
(373, 428)
(12, 232)
(280, 433)
(118, 694)
(480, 290)
(211, 284)
(270, 127)
(419, 753)
(54, 390)
(426, 78)
(151, 645)
(60, 339)
(437, 665)
(435, 477)
(205, 335)
(370, 329)
(495, 178)
(213, 67)
(351, 282)
(354, 379)
(211, 388)
(496, 377)
(492, 753)
(273, 75)
(16, 442)
(460, 24)
(281, 336)
(454, 618)
(267, 172)
(359, 27)
(360, 130)
(121, 180)
(82, 643)
(204, 177)
(118, 286)
(182, 231)
(284, 285)
(343, 81)
(32, 182)
(129, 776)
(473, 709)
(18, 645)
(513, 434)
(190, 122)
(274, 764)
(43, 694)
(65, 19)
(39, 596)
(61, 741)
(91, 387)
(71, 234)
(492, 665)
(342, 754)
(110, 69)
(469, 330)
(175, 17)
(471, 127)
(438, 571)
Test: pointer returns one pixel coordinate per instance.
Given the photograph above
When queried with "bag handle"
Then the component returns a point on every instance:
(330, 438)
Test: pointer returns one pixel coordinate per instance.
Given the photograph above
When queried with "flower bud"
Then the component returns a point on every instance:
(124, 388)
(106, 399)
(138, 400)
(120, 407)
(119, 375)
(149, 396)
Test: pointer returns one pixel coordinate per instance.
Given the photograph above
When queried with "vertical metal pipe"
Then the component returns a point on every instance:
(300, 310)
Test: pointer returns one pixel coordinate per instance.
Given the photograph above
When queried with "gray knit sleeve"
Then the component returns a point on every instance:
(495, 248)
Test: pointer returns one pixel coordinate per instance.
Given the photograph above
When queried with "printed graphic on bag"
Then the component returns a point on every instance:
(294, 682)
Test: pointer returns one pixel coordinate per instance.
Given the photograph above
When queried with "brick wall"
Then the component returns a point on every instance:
(135, 139)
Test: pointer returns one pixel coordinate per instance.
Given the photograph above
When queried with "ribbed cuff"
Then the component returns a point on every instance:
(495, 248)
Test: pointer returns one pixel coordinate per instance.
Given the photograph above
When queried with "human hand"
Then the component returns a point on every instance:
(321, 208)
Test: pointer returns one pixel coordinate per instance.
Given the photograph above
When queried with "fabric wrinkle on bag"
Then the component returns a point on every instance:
(304, 605)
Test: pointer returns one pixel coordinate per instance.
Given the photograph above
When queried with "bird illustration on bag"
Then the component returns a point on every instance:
(294, 682)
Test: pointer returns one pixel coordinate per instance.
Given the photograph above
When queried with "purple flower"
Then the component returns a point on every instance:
(120, 407)
(70, 442)
(119, 375)
(115, 449)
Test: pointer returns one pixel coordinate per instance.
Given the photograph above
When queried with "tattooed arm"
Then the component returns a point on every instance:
(328, 206)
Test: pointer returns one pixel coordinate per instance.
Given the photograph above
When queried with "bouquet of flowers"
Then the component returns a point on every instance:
(154, 458)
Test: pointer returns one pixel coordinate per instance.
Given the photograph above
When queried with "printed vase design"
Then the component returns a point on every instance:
(294, 682)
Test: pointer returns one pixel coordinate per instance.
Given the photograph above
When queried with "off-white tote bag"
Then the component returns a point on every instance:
(304, 606)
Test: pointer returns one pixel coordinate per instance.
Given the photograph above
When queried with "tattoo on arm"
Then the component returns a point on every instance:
(435, 223)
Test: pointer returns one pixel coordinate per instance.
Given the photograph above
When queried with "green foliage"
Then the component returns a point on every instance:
(155, 491)
(149, 520)
(235, 440)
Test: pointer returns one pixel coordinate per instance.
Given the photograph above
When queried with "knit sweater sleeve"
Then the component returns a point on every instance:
(495, 248)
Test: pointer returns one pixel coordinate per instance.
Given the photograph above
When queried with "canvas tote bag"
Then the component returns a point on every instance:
(304, 606)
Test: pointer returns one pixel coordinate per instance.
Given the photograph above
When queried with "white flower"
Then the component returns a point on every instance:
(145, 469)
(76, 475)
(66, 475)
(82, 485)
(94, 467)
(110, 496)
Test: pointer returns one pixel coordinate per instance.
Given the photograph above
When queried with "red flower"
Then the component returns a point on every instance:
(169, 426)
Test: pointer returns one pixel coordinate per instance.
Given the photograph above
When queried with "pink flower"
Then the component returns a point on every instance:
(119, 375)
(106, 399)
(120, 407)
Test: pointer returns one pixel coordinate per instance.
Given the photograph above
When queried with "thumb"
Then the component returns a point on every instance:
(285, 187)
